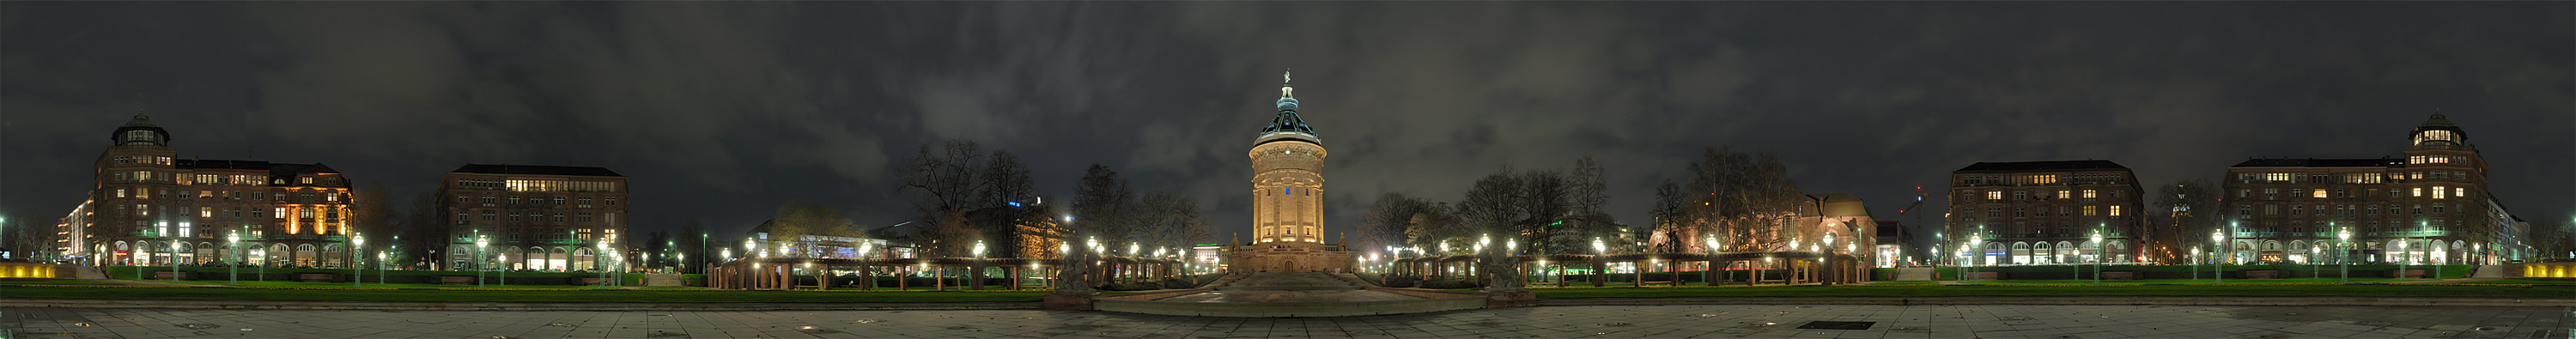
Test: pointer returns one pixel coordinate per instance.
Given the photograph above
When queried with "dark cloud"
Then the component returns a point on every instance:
(720, 111)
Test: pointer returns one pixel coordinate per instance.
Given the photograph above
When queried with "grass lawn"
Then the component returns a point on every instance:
(1909, 290)
(28, 281)
(688, 295)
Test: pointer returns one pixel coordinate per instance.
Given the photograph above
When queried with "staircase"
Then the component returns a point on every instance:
(1288, 281)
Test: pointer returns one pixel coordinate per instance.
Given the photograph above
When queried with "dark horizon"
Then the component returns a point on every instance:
(723, 112)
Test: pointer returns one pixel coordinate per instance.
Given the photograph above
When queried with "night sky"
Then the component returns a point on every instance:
(722, 111)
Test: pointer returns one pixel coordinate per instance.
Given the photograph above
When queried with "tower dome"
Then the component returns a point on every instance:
(139, 132)
(2438, 130)
(1287, 125)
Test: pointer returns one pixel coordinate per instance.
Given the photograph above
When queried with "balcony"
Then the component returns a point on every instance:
(2409, 233)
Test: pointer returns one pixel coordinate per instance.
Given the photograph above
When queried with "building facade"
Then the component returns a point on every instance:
(1287, 199)
(546, 218)
(2043, 212)
(151, 208)
(2430, 206)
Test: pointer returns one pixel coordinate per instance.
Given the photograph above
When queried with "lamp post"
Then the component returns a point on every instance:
(1974, 240)
(2343, 252)
(233, 240)
(2218, 242)
(505, 269)
(1829, 255)
(600, 262)
(357, 250)
(480, 263)
(174, 258)
(380, 267)
(2097, 256)
(1705, 274)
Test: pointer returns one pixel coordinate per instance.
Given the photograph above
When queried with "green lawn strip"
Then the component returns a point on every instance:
(2127, 290)
(2326, 280)
(25, 281)
(369, 285)
(603, 296)
(2544, 281)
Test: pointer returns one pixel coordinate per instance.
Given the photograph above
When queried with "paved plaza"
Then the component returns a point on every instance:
(1531, 322)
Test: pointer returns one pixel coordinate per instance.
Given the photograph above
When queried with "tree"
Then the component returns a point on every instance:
(1748, 197)
(1669, 202)
(375, 216)
(2191, 208)
(946, 180)
(1103, 206)
(423, 239)
(799, 218)
(2552, 239)
(693, 239)
(1171, 220)
(1497, 205)
(1385, 222)
(1435, 225)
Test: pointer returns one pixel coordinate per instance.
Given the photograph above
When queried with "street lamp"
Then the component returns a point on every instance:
(505, 270)
(380, 267)
(480, 263)
(2097, 256)
(2343, 252)
(1973, 241)
(357, 248)
(1601, 258)
(174, 258)
(600, 261)
(233, 240)
(2218, 244)
(1705, 275)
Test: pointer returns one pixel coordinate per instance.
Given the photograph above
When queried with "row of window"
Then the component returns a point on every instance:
(2087, 194)
(2040, 179)
(2439, 192)
(609, 219)
(305, 197)
(495, 200)
(146, 210)
(2437, 159)
(579, 233)
(142, 159)
(2350, 178)
(2337, 210)
(212, 179)
(2114, 211)
(527, 185)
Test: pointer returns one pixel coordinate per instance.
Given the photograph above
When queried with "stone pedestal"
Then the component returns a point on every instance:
(1511, 299)
(1068, 302)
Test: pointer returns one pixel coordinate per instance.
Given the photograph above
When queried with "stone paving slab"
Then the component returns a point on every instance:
(1632, 321)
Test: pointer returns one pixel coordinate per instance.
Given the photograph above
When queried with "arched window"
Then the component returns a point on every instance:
(583, 259)
(304, 255)
(518, 259)
(2020, 253)
(460, 257)
(2067, 253)
(279, 254)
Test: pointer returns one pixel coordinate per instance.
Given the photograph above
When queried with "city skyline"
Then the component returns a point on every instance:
(742, 115)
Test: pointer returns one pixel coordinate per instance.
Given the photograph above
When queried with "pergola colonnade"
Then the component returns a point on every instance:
(1792, 267)
(783, 273)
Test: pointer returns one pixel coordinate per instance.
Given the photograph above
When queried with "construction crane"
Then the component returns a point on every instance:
(1918, 215)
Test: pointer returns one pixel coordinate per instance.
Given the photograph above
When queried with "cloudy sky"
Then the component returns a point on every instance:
(720, 111)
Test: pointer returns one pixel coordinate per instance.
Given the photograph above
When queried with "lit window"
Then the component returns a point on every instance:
(2440, 192)
(2088, 211)
(2317, 194)
(305, 180)
(2115, 210)
(2062, 194)
(120, 193)
(2419, 191)
(1995, 195)
(2088, 194)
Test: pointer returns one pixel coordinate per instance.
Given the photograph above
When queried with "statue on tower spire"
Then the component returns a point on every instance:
(1285, 90)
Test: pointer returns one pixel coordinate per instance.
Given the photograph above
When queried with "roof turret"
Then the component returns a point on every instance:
(1287, 124)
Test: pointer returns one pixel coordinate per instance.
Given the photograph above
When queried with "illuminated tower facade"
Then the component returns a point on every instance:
(1287, 198)
(1287, 178)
